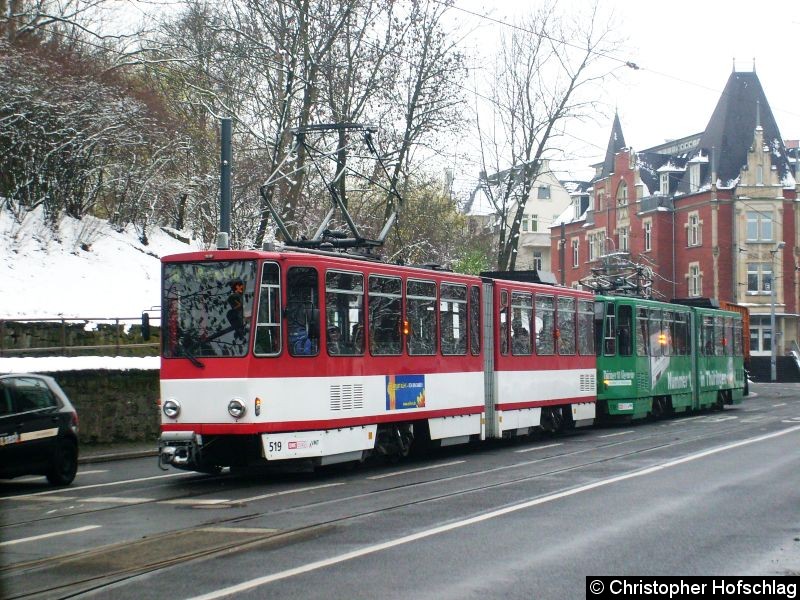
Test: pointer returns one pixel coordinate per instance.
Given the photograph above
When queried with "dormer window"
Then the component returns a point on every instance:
(694, 177)
(664, 188)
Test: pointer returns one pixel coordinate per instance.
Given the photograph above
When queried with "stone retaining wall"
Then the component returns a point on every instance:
(113, 406)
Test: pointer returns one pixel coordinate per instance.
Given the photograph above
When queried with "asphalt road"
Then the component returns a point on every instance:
(713, 493)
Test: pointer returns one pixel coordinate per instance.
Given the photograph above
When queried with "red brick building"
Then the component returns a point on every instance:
(708, 215)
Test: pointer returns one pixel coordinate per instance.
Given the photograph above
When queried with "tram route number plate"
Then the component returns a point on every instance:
(282, 446)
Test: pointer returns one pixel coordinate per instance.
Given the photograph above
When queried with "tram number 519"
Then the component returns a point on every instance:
(275, 446)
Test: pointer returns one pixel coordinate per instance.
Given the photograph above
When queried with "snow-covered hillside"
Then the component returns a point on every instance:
(87, 270)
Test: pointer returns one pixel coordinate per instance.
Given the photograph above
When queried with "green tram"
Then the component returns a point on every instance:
(655, 358)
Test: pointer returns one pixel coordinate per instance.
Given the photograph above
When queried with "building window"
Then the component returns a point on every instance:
(759, 226)
(694, 177)
(575, 255)
(622, 201)
(693, 227)
(534, 223)
(759, 278)
(525, 223)
(664, 189)
(648, 236)
(760, 335)
(759, 175)
(544, 192)
(695, 280)
(623, 239)
(622, 194)
(537, 260)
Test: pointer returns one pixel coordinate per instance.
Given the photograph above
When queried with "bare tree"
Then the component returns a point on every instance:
(546, 71)
(428, 93)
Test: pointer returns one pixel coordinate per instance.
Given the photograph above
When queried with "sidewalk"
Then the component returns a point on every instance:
(96, 453)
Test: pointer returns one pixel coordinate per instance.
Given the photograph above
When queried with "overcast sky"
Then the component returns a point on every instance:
(685, 51)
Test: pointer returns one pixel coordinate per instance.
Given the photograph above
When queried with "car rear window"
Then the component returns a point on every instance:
(29, 394)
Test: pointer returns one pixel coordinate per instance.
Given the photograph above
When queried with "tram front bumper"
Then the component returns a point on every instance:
(179, 449)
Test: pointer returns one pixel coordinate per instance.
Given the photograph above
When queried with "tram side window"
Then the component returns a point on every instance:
(385, 298)
(302, 311)
(603, 319)
(344, 313)
(642, 333)
(566, 326)
(680, 334)
(585, 329)
(707, 336)
(475, 320)
(654, 327)
(421, 317)
(545, 325)
(727, 344)
(453, 318)
(521, 313)
(268, 319)
(738, 341)
(625, 330)
(719, 349)
(665, 339)
(503, 322)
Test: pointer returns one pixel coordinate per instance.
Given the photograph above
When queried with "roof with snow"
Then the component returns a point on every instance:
(729, 134)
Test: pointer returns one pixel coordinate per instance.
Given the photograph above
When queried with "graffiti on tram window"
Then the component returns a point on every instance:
(405, 391)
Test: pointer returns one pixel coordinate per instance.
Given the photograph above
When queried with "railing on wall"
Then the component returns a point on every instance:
(78, 336)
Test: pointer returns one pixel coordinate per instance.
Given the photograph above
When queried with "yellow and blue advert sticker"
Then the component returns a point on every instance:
(405, 391)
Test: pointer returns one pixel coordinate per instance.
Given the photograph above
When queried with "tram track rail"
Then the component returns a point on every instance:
(81, 581)
(729, 428)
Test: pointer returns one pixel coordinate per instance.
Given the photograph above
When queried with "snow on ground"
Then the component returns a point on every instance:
(88, 270)
(50, 364)
(47, 275)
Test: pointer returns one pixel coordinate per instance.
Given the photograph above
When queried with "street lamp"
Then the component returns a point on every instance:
(772, 368)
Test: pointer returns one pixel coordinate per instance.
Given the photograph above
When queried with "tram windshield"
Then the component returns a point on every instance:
(207, 308)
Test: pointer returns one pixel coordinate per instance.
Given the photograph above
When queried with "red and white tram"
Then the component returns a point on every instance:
(275, 356)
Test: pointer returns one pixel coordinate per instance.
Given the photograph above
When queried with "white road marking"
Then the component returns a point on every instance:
(321, 564)
(283, 493)
(97, 485)
(440, 465)
(195, 501)
(781, 404)
(117, 500)
(683, 420)
(94, 472)
(48, 535)
(616, 434)
(45, 498)
(537, 448)
(720, 419)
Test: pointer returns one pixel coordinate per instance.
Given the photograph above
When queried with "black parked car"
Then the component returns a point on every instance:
(38, 429)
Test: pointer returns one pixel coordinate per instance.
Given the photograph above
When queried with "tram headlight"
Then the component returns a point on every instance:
(237, 408)
(171, 408)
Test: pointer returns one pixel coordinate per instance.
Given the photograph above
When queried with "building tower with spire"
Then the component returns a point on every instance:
(705, 212)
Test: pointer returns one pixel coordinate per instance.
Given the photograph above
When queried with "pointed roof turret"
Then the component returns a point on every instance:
(741, 109)
(615, 143)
